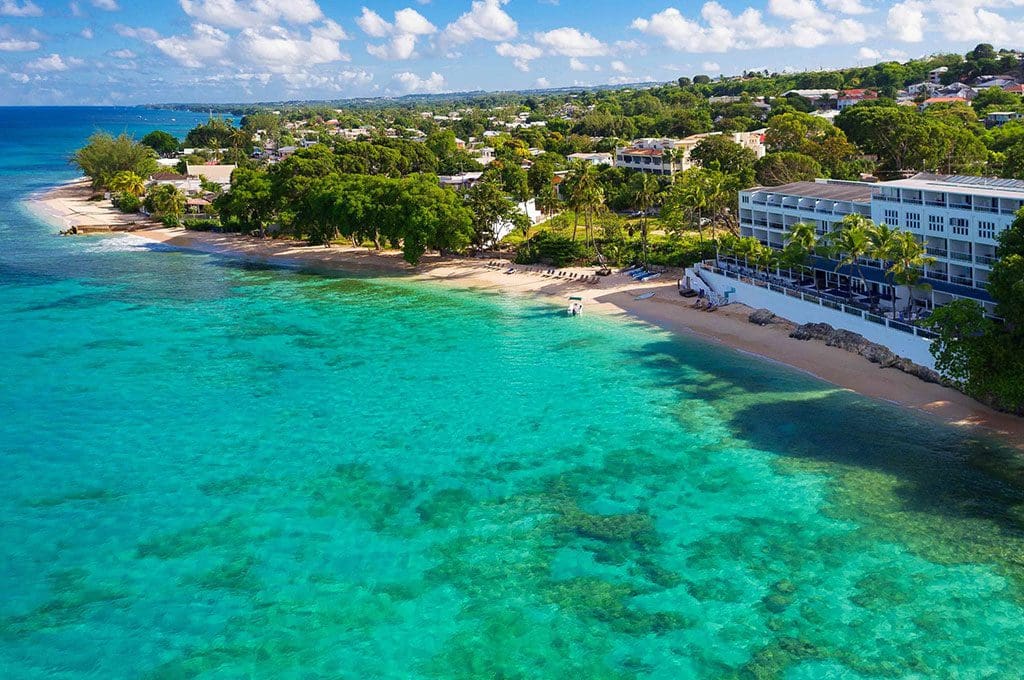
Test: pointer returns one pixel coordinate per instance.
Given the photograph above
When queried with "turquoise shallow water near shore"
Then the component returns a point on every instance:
(219, 471)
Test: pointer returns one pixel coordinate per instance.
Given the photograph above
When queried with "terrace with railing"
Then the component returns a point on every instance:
(864, 305)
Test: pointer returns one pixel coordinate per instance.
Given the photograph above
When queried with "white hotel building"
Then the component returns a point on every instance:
(957, 218)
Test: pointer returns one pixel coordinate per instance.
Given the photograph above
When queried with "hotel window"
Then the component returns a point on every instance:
(935, 223)
(912, 220)
(959, 226)
(986, 229)
(892, 217)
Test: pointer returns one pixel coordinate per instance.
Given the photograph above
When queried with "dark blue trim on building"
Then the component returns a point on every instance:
(876, 275)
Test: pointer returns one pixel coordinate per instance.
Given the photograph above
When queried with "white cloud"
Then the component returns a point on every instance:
(20, 77)
(711, 66)
(13, 8)
(86, 33)
(206, 44)
(273, 47)
(906, 21)
(720, 30)
(485, 20)
(252, 13)
(619, 67)
(521, 54)
(122, 54)
(846, 6)
(578, 65)
(570, 42)
(869, 54)
(279, 49)
(75, 9)
(406, 29)
(412, 83)
(108, 5)
(16, 45)
(373, 24)
(53, 62)
(140, 33)
(542, 83)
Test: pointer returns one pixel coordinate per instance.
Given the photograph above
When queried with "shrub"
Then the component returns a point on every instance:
(127, 203)
(201, 225)
(170, 221)
(557, 250)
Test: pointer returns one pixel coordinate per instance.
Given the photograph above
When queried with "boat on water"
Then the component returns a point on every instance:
(575, 307)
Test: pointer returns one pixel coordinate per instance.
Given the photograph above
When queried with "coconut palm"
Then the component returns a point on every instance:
(908, 258)
(851, 242)
(644, 198)
(127, 182)
(585, 194)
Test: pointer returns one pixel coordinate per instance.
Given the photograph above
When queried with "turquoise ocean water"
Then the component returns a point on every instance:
(219, 471)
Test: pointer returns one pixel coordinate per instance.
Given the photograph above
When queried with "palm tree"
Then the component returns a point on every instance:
(851, 242)
(644, 198)
(801, 243)
(548, 201)
(583, 190)
(908, 259)
(127, 182)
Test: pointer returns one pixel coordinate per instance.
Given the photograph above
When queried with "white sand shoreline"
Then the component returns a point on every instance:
(612, 295)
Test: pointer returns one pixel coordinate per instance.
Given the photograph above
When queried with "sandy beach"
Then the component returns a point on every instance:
(614, 295)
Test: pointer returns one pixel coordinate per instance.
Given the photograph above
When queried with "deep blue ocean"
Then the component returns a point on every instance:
(218, 471)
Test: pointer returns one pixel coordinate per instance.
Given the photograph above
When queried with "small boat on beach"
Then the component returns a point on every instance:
(644, 296)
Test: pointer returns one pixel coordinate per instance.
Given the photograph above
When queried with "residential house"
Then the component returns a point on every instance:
(985, 82)
(593, 158)
(848, 98)
(218, 174)
(936, 74)
(997, 118)
(178, 181)
(668, 156)
(958, 90)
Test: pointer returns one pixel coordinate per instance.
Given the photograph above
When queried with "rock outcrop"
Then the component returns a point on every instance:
(763, 317)
(858, 344)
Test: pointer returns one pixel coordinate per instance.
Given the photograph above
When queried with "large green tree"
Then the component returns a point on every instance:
(105, 156)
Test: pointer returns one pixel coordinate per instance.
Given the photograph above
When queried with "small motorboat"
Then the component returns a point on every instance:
(649, 276)
(575, 306)
(644, 296)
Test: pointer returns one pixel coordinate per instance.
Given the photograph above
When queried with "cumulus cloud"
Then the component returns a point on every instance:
(53, 62)
(13, 8)
(122, 54)
(412, 83)
(17, 45)
(711, 66)
(271, 47)
(140, 33)
(521, 54)
(846, 6)
(542, 82)
(906, 21)
(252, 14)
(486, 20)
(204, 47)
(11, 41)
(407, 27)
(570, 42)
(805, 24)
(86, 33)
(619, 66)
(108, 5)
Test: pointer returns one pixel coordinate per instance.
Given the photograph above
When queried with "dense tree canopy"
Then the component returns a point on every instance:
(105, 156)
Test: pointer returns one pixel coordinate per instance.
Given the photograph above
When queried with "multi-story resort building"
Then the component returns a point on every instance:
(957, 219)
(667, 156)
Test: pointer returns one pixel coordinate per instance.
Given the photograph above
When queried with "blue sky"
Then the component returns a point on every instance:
(123, 52)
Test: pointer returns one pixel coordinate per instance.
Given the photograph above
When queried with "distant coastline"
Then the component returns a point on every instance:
(67, 204)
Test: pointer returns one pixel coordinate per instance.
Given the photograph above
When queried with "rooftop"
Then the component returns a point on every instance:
(830, 190)
(980, 186)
